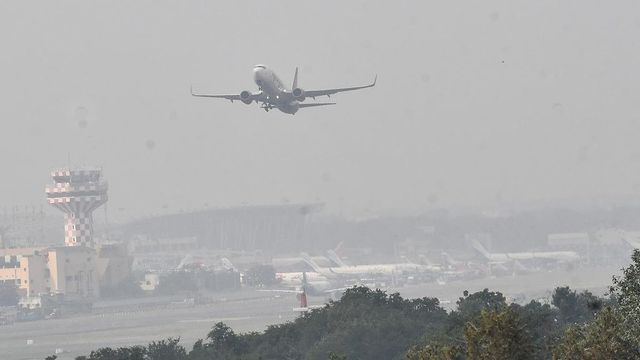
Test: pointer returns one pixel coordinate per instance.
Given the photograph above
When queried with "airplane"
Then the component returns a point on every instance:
(369, 270)
(316, 283)
(561, 256)
(203, 261)
(312, 288)
(273, 94)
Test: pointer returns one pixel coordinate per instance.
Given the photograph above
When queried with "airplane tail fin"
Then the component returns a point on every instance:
(186, 260)
(307, 259)
(476, 245)
(632, 242)
(295, 80)
(520, 266)
(448, 259)
(303, 295)
(227, 264)
(335, 258)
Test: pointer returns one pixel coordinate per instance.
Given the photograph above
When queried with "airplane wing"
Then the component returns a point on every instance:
(301, 105)
(327, 92)
(287, 291)
(232, 97)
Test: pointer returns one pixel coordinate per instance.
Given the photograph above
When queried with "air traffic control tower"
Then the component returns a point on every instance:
(77, 193)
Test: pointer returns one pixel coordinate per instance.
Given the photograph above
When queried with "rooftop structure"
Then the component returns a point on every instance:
(77, 193)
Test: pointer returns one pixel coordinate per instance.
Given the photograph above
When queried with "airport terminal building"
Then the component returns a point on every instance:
(267, 228)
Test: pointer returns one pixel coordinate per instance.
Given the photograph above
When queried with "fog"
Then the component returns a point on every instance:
(487, 105)
(498, 149)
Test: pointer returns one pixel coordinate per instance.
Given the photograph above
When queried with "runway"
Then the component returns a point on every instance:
(79, 335)
(246, 310)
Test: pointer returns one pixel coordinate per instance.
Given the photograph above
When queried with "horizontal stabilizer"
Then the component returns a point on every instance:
(314, 104)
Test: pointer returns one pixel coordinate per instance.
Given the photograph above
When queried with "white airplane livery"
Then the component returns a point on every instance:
(562, 256)
(370, 270)
(273, 94)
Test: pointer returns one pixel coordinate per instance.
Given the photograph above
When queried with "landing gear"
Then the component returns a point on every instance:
(267, 107)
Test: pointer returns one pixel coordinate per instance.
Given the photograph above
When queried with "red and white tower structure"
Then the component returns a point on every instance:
(77, 193)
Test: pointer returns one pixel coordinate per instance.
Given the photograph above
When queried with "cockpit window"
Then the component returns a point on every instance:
(260, 66)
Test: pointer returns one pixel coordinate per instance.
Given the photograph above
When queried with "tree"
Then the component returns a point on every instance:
(574, 307)
(471, 305)
(222, 338)
(334, 356)
(603, 338)
(498, 335)
(626, 290)
(168, 349)
(435, 352)
(541, 320)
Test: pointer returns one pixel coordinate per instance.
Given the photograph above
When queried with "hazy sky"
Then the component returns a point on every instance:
(480, 104)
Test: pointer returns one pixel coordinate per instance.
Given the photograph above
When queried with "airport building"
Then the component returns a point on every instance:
(24, 267)
(270, 228)
(58, 270)
(79, 269)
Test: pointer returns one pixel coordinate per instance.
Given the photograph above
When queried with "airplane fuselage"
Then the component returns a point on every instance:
(277, 94)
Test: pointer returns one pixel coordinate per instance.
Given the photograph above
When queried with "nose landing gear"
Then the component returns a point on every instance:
(267, 107)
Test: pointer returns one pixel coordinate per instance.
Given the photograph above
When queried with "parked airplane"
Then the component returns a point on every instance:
(316, 283)
(314, 288)
(561, 256)
(371, 270)
(205, 261)
(273, 94)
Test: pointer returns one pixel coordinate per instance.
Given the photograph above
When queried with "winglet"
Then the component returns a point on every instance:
(374, 80)
(295, 80)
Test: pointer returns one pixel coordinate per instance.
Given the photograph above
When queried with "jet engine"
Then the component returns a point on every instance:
(298, 94)
(245, 97)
